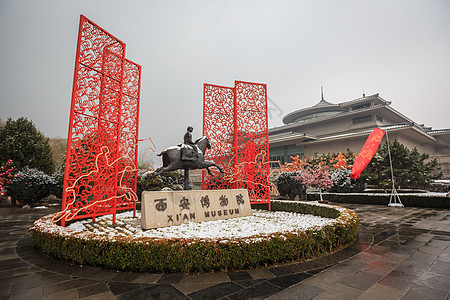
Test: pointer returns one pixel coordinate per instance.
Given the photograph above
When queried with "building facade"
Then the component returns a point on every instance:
(327, 127)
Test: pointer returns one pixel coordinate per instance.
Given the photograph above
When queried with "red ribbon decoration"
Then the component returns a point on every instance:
(367, 152)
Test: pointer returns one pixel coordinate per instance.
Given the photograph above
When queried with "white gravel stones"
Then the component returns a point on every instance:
(262, 223)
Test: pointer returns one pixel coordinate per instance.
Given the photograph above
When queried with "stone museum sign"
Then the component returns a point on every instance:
(169, 208)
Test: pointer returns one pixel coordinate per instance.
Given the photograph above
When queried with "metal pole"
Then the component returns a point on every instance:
(394, 194)
(186, 179)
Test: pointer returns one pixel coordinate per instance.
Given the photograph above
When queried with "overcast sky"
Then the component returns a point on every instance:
(399, 49)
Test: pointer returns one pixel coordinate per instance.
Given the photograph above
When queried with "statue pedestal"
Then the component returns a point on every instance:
(169, 208)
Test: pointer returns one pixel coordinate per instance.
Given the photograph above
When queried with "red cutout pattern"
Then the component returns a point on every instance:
(103, 128)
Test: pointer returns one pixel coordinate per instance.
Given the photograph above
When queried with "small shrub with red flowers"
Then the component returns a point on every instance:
(6, 174)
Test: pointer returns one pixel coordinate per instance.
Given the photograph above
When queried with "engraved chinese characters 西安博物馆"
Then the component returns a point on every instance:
(162, 209)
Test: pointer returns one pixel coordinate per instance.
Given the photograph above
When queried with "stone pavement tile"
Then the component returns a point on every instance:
(424, 238)
(289, 280)
(92, 290)
(380, 249)
(5, 276)
(298, 291)
(361, 280)
(63, 295)
(366, 257)
(249, 283)
(280, 271)
(381, 292)
(98, 274)
(217, 291)
(6, 265)
(25, 270)
(8, 253)
(118, 288)
(348, 267)
(57, 266)
(5, 288)
(403, 250)
(434, 281)
(170, 278)
(36, 279)
(339, 291)
(313, 264)
(206, 278)
(418, 292)
(317, 271)
(393, 257)
(399, 280)
(379, 267)
(30, 293)
(412, 267)
(103, 296)
(260, 274)
(235, 276)
(159, 291)
(11, 261)
(258, 291)
(415, 244)
(422, 257)
(188, 288)
(382, 236)
(444, 257)
(67, 285)
(440, 267)
(325, 280)
(125, 277)
(431, 249)
(148, 278)
(438, 244)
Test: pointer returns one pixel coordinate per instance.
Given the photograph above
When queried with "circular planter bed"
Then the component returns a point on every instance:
(202, 247)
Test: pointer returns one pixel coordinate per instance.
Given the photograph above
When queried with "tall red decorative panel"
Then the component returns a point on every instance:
(218, 126)
(103, 128)
(235, 121)
(252, 140)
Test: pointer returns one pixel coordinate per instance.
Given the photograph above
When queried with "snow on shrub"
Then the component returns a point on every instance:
(344, 184)
(31, 186)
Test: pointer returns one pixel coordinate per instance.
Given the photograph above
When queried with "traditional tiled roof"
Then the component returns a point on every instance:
(322, 118)
(325, 106)
(438, 131)
(363, 99)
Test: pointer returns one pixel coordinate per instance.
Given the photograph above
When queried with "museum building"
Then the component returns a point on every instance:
(327, 127)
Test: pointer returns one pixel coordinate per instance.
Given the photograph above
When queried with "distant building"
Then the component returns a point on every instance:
(327, 127)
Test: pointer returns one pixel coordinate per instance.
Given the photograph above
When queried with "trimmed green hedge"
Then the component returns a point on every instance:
(409, 200)
(181, 255)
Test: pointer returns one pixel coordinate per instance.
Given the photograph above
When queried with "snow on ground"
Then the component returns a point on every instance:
(262, 223)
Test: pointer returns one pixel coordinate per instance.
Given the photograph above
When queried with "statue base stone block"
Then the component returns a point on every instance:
(164, 208)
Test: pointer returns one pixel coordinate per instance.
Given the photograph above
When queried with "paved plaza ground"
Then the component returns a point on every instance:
(401, 253)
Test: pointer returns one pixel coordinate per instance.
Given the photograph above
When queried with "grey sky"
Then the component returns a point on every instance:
(400, 49)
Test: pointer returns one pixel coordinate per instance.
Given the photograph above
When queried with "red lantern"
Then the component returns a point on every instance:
(367, 152)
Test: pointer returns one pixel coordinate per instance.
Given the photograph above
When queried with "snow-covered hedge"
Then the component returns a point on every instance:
(146, 254)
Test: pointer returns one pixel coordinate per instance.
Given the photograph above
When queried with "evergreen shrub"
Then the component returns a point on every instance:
(171, 180)
(289, 186)
(31, 186)
(344, 184)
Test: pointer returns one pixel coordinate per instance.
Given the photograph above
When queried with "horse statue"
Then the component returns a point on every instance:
(174, 158)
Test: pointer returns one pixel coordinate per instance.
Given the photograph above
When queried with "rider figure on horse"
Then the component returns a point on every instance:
(188, 140)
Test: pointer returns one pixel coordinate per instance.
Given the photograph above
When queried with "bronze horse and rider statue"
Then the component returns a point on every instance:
(187, 156)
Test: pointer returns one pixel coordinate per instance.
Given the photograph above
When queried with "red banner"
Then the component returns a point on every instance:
(367, 152)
